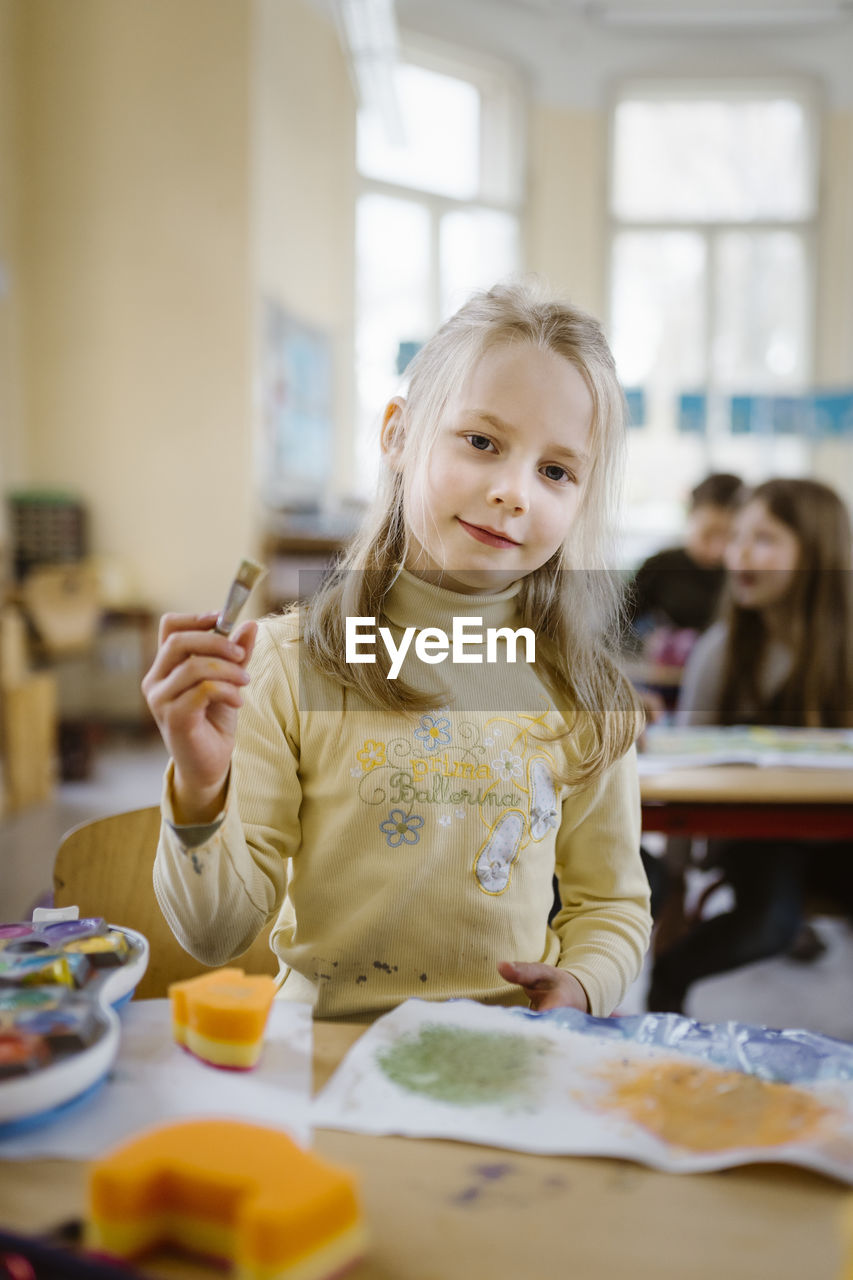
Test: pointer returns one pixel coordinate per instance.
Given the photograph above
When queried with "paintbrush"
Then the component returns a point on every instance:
(249, 573)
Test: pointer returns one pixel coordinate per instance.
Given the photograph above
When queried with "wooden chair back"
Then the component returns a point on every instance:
(105, 868)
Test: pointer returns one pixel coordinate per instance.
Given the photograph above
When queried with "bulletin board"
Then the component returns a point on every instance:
(297, 429)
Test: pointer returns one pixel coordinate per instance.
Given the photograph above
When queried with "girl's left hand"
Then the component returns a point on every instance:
(546, 986)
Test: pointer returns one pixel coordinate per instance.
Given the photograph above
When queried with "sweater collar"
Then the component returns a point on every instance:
(412, 602)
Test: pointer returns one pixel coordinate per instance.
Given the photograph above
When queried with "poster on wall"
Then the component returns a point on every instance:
(832, 413)
(692, 413)
(815, 415)
(297, 429)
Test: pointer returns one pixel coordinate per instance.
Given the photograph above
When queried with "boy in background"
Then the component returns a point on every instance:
(679, 588)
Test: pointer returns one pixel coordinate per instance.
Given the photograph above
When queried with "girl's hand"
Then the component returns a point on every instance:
(194, 691)
(546, 986)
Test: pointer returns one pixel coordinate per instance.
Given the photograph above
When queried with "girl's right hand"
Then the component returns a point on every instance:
(194, 690)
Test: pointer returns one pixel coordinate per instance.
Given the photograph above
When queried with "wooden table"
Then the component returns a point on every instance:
(750, 801)
(452, 1211)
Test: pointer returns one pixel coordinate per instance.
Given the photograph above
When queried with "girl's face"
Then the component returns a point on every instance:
(761, 557)
(503, 483)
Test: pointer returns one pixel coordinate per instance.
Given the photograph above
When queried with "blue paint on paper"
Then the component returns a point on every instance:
(784, 1056)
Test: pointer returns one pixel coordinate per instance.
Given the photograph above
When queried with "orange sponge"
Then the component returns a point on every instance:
(237, 1193)
(221, 1016)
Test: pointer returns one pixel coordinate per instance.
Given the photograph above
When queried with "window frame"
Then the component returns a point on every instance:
(660, 88)
(503, 160)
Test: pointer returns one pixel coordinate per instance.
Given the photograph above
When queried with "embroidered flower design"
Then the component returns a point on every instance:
(433, 732)
(400, 826)
(357, 772)
(488, 742)
(507, 766)
(445, 820)
(371, 754)
(459, 813)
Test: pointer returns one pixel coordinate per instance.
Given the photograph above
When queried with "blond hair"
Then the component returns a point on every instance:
(573, 601)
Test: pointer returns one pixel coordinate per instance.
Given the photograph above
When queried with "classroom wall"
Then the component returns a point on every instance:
(136, 274)
(165, 165)
(179, 160)
(834, 351)
(566, 226)
(12, 435)
(833, 459)
(303, 183)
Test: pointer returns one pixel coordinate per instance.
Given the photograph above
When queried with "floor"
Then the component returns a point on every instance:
(127, 773)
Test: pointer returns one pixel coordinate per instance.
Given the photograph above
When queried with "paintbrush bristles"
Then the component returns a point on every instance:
(249, 573)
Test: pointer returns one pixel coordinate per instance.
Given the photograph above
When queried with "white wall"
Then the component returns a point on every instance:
(13, 465)
(303, 176)
(173, 161)
(135, 273)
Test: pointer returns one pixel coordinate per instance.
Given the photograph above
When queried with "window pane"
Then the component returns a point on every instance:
(441, 123)
(762, 305)
(658, 308)
(703, 160)
(478, 248)
(392, 306)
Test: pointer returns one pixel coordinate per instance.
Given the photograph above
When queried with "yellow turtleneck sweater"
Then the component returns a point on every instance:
(405, 855)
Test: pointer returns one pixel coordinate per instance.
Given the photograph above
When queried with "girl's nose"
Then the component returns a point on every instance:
(508, 489)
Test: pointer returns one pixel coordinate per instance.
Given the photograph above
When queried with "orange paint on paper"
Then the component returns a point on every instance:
(704, 1109)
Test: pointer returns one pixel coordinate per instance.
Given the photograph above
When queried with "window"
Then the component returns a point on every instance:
(436, 218)
(713, 193)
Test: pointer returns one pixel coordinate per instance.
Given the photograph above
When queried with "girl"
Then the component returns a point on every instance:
(403, 832)
(782, 656)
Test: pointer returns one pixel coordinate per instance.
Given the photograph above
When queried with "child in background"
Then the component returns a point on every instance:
(673, 598)
(403, 833)
(782, 656)
(679, 589)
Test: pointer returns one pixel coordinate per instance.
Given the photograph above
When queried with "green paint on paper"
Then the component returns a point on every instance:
(453, 1064)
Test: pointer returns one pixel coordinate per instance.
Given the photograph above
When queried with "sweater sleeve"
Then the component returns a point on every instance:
(218, 892)
(604, 924)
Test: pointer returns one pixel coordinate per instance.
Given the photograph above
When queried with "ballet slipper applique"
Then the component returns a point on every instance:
(544, 812)
(495, 859)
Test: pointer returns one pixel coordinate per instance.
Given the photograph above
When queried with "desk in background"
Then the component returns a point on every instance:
(748, 801)
(453, 1211)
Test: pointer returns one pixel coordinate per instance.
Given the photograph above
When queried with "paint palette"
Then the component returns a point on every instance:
(61, 981)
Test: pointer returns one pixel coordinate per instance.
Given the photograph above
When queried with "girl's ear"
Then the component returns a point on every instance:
(392, 434)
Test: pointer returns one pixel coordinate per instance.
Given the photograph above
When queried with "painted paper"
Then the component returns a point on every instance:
(660, 1089)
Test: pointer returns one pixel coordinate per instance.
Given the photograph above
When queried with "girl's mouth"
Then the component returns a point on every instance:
(488, 536)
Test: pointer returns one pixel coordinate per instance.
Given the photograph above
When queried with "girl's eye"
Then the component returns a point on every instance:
(480, 442)
(556, 473)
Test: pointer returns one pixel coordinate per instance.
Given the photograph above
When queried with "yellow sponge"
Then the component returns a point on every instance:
(221, 1016)
(237, 1193)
